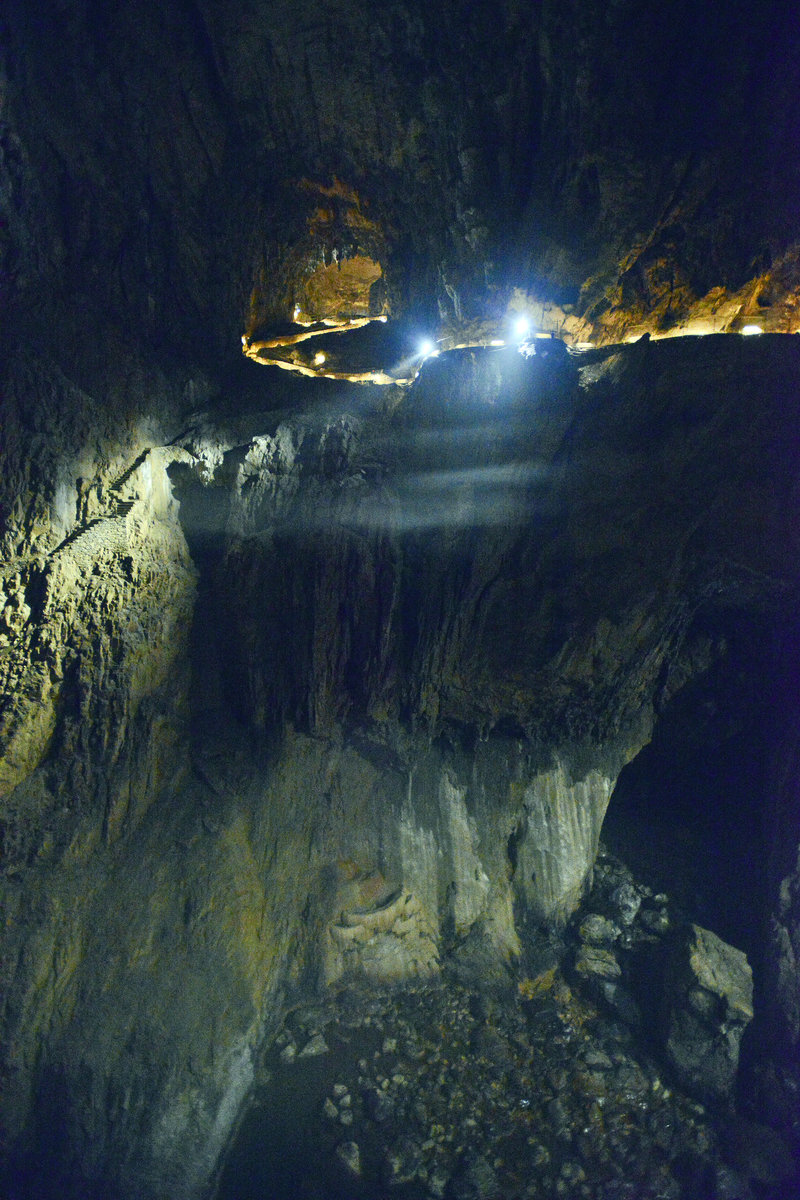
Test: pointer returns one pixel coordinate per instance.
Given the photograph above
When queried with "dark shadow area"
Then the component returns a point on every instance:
(689, 814)
(704, 814)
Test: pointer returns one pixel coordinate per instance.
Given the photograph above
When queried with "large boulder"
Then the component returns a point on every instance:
(709, 1003)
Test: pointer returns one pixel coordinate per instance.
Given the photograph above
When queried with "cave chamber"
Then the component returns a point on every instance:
(398, 601)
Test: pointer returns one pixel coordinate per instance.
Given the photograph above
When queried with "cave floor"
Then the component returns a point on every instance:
(474, 1091)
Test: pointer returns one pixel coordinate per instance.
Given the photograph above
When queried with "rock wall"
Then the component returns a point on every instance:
(601, 159)
(417, 641)
(371, 663)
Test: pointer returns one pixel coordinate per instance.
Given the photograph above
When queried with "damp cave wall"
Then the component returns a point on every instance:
(333, 752)
(623, 160)
(517, 636)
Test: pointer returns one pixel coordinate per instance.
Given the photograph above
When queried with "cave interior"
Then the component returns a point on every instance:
(399, 741)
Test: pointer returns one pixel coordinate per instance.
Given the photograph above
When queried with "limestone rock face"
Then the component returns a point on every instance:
(710, 1005)
(300, 684)
(419, 641)
(608, 164)
(97, 595)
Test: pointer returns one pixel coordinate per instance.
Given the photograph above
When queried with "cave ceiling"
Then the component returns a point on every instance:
(217, 173)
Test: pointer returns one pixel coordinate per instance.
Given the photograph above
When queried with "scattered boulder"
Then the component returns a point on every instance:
(428, 1079)
(595, 961)
(314, 1047)
(349, 1154)
(598, 930)
(709, 1003)
(627, 901)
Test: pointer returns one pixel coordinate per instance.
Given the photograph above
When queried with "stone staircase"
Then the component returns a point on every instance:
(107, 532)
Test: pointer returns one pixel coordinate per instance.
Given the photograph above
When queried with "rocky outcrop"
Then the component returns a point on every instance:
(97, 593)
(777, 1082)
(709, 1006)
(262, 648)
(392, 941)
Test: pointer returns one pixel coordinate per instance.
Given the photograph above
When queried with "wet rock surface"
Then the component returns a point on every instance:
(451, 733)
(539, 1086)
(530, 565)
(710, 1006)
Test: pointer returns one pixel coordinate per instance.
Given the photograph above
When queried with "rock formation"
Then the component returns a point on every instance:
(306, 680)
(710, 1005)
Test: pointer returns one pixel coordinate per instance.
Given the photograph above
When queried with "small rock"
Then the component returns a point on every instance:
(730, 1185)
(627, 901)
(656, 920)
(557, 1115)
(594, 960)
(476, 1180)
(330, 1109)
(621, 1001)
(402, 1163)
(757, 1152)
(379, 1106)
(346, 1117)
(540, 1155)
(630, 1082)
(349, 1155)
(437, 1182)
(288, 1053)
(340, 1089)
(597, 930)
(572, 1172)
(662, 1129)
(597, 1059)
(315, 1047)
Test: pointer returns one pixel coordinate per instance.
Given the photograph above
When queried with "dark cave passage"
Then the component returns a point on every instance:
(688, 814)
